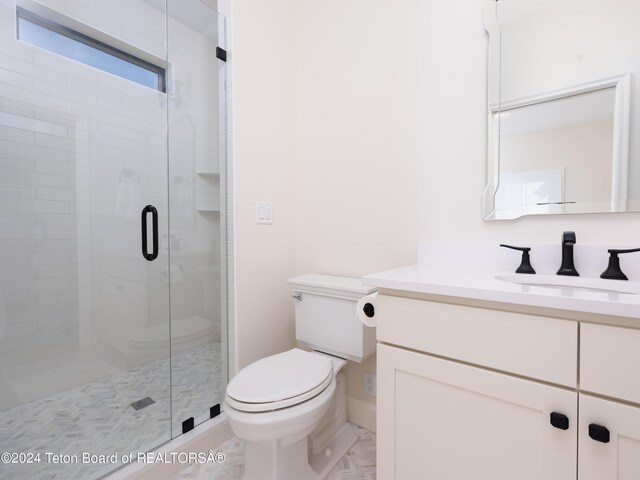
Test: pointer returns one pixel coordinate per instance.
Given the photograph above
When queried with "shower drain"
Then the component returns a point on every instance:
(140, 404)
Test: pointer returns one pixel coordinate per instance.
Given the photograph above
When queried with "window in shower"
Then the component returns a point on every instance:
(57, 38)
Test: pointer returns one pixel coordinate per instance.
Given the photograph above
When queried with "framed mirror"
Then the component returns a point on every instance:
(562, 103)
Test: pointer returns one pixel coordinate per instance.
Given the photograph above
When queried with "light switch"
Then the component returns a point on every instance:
(264, 213)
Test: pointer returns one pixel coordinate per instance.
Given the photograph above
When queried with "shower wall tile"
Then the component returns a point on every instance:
(14, 78)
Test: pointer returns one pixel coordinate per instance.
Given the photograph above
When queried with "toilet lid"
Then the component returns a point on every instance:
(281, 377)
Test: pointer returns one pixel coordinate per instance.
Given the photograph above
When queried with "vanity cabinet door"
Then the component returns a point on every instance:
(614, 453)
(443, 420)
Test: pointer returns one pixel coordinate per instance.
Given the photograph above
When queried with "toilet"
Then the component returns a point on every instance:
(291, 408)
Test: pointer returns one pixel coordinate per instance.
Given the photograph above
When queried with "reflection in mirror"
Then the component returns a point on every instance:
(561, 75)
(545, 164)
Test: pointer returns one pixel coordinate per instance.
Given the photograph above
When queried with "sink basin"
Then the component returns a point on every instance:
(573, 283)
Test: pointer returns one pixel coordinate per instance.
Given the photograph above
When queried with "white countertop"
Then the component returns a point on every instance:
(480, 284)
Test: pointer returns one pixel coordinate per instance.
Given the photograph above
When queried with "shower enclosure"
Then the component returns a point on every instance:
(112, 142)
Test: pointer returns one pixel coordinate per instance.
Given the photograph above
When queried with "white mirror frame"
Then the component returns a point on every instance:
(621, 122)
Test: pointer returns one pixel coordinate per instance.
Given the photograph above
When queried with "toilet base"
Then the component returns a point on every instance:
(274, 461)
(323, 462)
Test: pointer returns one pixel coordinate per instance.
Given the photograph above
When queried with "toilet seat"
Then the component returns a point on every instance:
(280, 381)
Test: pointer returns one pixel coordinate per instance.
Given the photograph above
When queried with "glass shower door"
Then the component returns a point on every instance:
(84, 312)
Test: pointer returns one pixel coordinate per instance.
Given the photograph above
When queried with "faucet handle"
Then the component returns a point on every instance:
(613, 271)
(525, 264)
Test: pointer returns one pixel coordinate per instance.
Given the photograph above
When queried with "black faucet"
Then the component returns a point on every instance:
(567, 267)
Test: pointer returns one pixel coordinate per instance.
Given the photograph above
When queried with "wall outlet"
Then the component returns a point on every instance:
(370, 384)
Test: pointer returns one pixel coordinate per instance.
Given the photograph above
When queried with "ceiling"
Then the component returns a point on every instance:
(196, 14)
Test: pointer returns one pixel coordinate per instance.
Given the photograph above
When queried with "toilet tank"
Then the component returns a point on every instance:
(326, 318)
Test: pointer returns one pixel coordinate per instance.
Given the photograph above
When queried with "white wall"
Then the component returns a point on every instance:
(331, 134)
(358, 135)
(359, 145)
(262, 37)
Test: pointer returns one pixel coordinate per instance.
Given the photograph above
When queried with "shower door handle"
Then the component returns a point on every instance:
(154, 220)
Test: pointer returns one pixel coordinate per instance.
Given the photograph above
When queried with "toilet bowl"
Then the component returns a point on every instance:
(290, 408)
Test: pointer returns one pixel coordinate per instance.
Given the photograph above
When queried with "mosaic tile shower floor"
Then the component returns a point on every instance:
(358, 464)
(97, 418)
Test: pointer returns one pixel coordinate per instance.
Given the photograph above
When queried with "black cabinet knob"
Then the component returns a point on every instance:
(599, 433)
(368, 310)
(559, 420)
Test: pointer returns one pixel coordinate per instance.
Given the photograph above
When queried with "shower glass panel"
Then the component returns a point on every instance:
(196, 137)
(106, 348)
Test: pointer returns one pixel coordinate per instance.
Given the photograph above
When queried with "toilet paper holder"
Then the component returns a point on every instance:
(366, 310)
(369, 309)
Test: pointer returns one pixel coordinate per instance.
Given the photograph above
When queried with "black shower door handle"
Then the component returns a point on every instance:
(154, 220)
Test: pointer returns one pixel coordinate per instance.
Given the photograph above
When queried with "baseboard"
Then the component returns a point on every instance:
(362, 414)
(208, 436)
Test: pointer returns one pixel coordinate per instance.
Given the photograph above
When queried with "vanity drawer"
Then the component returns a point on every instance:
(609, 361)
(528, 345)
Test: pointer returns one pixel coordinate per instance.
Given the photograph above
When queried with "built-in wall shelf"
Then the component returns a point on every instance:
(207, 191)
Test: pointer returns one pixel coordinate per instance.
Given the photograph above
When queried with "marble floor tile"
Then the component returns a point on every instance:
(358, 464)
(97, 417)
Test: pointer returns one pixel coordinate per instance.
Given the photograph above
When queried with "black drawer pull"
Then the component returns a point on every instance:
(599, 433)
(154, 220)
(559, 420)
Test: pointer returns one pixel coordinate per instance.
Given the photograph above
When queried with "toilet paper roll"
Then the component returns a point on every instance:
(366, 309)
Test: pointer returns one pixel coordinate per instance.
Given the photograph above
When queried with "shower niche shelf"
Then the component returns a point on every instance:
(207, 192)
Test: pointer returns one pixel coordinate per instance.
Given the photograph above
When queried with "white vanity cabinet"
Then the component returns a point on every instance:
(444, 420)
(470, 393)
